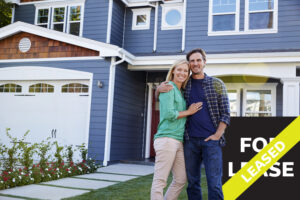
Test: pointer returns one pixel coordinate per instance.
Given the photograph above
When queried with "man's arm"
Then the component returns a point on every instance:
(220, 131)
(163, 88)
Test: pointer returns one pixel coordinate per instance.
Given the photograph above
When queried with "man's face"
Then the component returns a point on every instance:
(197, 63)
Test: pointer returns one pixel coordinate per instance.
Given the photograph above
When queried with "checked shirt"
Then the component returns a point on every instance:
(217, 101)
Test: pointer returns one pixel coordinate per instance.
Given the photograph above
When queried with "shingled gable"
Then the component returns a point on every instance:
(47, 43)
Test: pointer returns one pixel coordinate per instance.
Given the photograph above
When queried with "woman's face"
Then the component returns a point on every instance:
(181, 73)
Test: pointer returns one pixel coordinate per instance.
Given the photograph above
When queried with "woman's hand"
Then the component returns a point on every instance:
(195, 107)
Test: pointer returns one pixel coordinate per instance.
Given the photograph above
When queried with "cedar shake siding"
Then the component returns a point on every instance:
(40, 48)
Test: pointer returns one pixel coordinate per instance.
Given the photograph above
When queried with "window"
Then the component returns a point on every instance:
(171, 16)
(224, 15)
(74, 20)
(261, 15)
(64, 17)
(41, 88)
(75, 88)
(10, 88)
(43, 17)
(252, 100)
(258, 103)
(141, 18)
(58, 19)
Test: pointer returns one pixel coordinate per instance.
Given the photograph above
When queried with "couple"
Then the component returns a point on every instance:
(209, 115)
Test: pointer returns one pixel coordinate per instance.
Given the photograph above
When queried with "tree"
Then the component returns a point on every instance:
(5, 13)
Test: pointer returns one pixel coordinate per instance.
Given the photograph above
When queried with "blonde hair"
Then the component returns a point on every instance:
(170, 75)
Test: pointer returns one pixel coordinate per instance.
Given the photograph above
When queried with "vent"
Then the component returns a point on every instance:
(24, 45)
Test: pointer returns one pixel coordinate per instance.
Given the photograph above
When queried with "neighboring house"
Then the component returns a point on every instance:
(84, 71)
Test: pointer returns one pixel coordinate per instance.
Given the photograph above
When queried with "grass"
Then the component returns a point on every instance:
(135, 189)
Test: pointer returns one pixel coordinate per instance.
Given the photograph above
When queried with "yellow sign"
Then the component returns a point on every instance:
(258, 165)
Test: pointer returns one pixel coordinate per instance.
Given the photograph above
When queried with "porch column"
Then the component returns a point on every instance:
(291, 96)
(149, 120)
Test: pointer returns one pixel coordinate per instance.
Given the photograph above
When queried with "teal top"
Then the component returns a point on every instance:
(170, 104)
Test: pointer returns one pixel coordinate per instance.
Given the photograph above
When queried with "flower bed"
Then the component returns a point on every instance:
(18, 167)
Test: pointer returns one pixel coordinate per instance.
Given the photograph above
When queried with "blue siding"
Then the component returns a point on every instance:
(287, 37)
(117, 25)
(168, 40)
(100, 70)
(138, 41)
(95, 20)
(127, 125)
(25, 13)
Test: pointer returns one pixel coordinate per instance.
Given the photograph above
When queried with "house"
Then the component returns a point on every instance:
(84, 71)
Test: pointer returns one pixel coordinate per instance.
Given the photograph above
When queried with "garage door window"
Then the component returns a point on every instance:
(41, 88)
(75, 88)
(10, 88)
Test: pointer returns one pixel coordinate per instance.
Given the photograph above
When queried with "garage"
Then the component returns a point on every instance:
(48, 102)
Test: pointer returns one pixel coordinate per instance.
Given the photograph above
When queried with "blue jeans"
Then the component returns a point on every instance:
(197, 150)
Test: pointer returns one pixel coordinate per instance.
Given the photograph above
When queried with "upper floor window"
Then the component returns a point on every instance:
(62, 17)
(58, 19)
(10, 88)
(141, 18)
(224, 15)
(74, 20)
(172, 16)
(261, 15)
(43, 17)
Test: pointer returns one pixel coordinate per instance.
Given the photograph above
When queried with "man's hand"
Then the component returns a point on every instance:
(213, 137)
(163, 88)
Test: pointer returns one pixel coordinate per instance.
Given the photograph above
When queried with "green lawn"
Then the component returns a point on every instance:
(136, 189)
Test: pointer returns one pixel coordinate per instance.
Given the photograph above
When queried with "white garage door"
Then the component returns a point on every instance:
(58, 109)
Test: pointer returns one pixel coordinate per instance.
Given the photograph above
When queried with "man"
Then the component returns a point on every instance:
(205, 129)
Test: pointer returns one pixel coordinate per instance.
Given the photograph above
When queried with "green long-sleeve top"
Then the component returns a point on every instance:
(170, 104)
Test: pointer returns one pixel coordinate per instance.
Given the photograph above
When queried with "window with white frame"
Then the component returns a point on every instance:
(224, 15)
(43, 17)
(74, 20)
(258, 100)
(58, 19)
(141, 18)
(64, 17)
(261, 14)
(172, 16)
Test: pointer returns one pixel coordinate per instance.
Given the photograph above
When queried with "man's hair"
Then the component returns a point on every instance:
(198, 50)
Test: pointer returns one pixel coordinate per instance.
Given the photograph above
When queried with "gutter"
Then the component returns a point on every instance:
(183, 26)
(109, 19)
(155, 27)
(110, 103)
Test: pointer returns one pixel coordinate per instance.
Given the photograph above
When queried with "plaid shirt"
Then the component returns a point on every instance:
(217, 101)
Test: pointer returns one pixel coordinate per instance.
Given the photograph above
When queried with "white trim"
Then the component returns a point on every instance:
(291, 96)
(52, 3)
(65, 17)
(51, 59)
(140, 3)
(109, 20)
(13, 14)
(141, 11)
(165, 9)
(109, 113)
(261, 31)
(149, 120)
(183, 25)
(237, 87)
(155, 28)
(210, 20)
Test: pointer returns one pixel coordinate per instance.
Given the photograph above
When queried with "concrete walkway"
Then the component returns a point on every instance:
(77, 185)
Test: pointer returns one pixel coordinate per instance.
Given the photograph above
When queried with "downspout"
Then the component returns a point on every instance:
(110, 103)
(183, 26)
(109, 19)
(13, 14)
(155, 27)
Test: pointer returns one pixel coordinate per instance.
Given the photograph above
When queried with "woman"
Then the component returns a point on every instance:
(169, 137)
